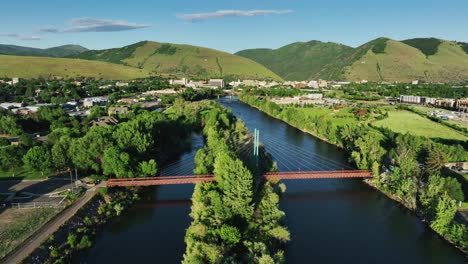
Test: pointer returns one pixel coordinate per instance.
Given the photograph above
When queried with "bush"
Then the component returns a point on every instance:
(85, 242)
(72, 240)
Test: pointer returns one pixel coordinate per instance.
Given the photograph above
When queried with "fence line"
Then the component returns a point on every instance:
(33, 205)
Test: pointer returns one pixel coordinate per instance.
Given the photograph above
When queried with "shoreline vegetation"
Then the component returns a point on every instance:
(124, 153)
(237, 218)
(394, 158)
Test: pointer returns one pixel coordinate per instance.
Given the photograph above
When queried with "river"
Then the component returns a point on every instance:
(331, 221)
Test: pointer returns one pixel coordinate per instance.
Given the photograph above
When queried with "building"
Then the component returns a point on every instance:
(13, 81)
(313, 84)
(249, 82)
(300, 85)
(235, 84)
(462, 105)
(183, 81)
(91, 101)
(217, 82)
(445, 103)
(415, 82)
(322, 83)
(106, 86)
(314, 96)
(159, 92)
(104, 121)
(11, 105)
(411, 99)
(121, 84)
(129, 100)
(117, 110)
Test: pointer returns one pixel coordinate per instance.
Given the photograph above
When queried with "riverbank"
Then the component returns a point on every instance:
(395, 198)
(76, 232)
(417, 213)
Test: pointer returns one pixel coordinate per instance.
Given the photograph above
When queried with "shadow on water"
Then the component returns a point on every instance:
(331, 221)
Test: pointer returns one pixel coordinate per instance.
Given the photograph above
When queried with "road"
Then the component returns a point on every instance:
(25, 249)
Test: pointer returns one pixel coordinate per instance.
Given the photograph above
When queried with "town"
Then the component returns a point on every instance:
(259, 132)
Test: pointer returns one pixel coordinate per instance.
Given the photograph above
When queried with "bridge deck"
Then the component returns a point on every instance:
(191, 179)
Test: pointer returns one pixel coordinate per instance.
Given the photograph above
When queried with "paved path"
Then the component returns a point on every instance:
(25, 249)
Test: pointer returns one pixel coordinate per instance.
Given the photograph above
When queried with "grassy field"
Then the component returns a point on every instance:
(24, 173)
(403, 121)
(18, 224)
(401, 62)
(33, 67)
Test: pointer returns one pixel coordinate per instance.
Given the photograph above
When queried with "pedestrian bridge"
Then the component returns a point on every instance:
(192, 179)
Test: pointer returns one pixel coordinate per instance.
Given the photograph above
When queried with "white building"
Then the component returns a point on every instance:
(412, 99)
(10, 105)
(314, 96)
(235, 84)
(90, 101)
(121, 84)
(313, 84)
(183, 81)
(217, 82)
(322, 83)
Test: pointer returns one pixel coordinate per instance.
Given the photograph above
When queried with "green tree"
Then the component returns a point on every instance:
(236, 183)
(85, 242)
(116, 162)
(60, 157)
(148, 168)
(10, 158)
(230, 234)
(445, 213)
(435, 161)
(72, 240)
(38, 158)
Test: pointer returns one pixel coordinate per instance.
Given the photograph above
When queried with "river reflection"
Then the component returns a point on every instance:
(331, 221)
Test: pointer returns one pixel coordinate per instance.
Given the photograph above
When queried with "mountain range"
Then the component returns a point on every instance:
(382, 59)
(60, 51)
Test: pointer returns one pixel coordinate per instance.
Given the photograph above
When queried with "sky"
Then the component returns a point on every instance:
(227, 25)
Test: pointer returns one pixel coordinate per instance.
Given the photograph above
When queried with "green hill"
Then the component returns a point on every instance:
(300, 60)
(183, 60)
(33, 67)
(431, 61)
(61, 51)
(382, 59)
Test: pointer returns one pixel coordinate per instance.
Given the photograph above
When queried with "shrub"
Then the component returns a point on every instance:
(85, 242)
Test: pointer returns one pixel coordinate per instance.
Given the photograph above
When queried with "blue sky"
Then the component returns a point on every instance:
(227, 25)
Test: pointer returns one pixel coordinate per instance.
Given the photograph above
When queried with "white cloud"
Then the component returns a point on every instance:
(19, 37)
(95, 25)
(231, 13)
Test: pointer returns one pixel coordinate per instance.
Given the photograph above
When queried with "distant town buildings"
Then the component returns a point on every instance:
(217, 83)
(117, 110)
(121, 84)
(103, 121)
(183, 81)
(91, 101)
(462, 105)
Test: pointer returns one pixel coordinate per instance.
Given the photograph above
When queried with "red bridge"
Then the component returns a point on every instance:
(172, 180)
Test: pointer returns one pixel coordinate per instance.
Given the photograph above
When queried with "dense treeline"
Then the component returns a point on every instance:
(406, 167)
(131, 148)
(235, 219)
